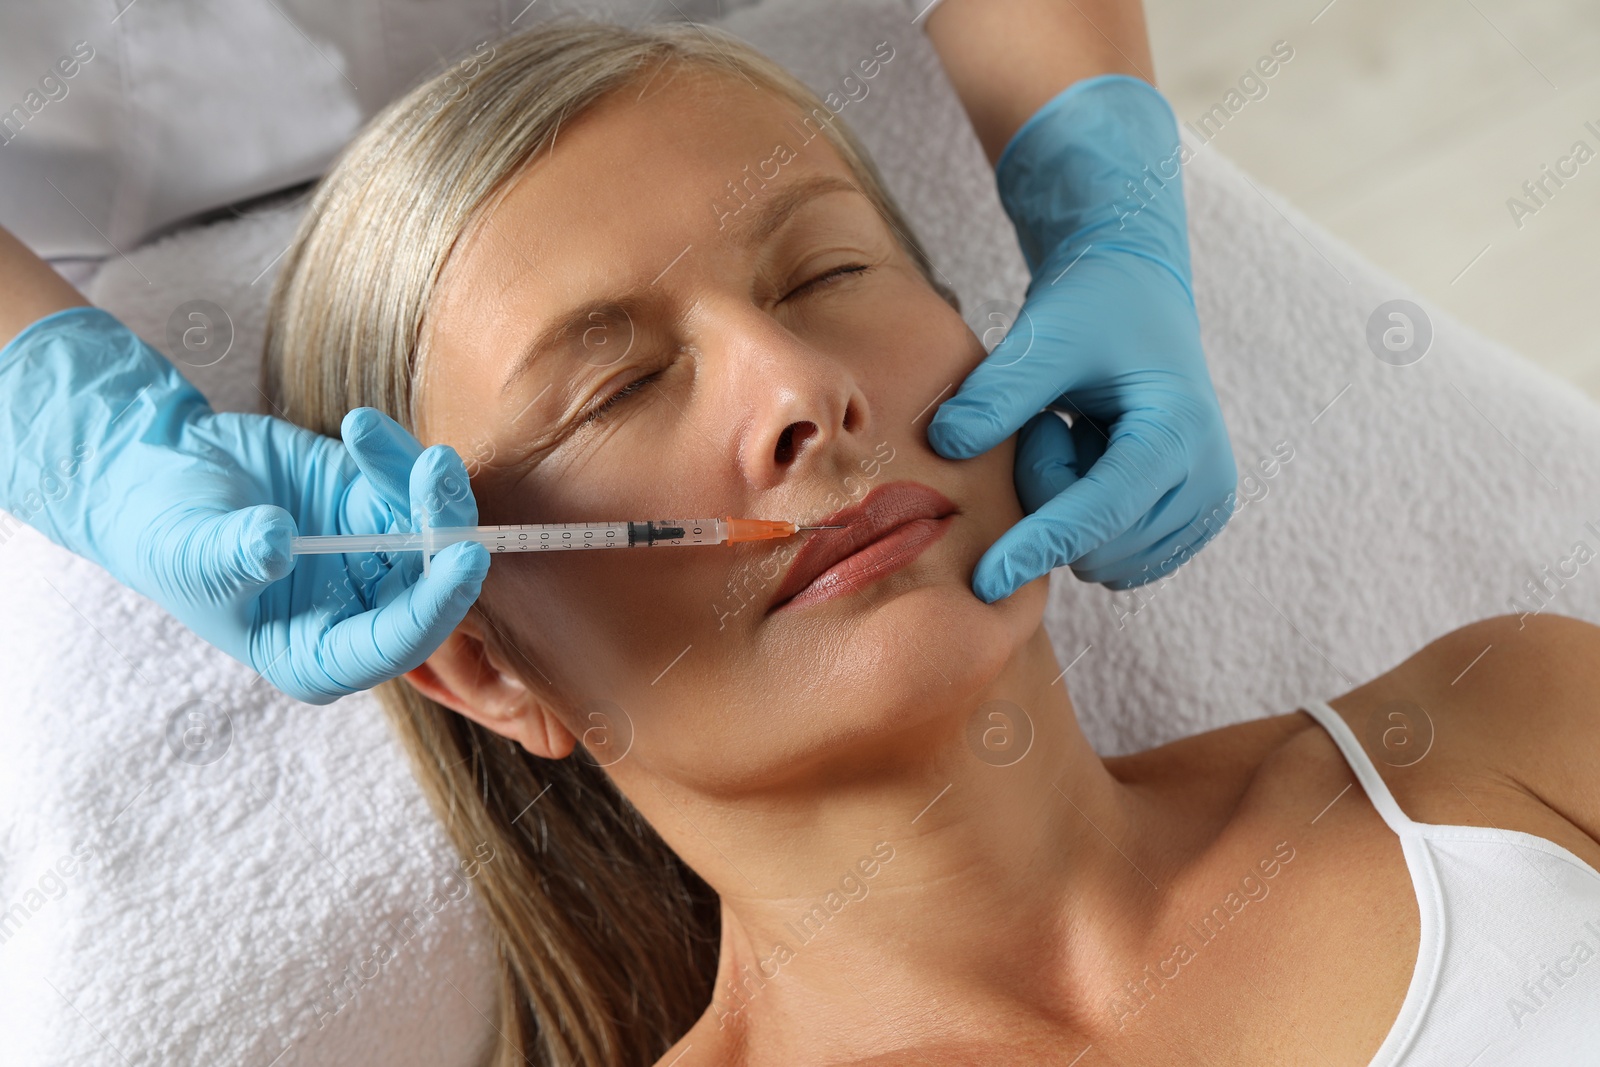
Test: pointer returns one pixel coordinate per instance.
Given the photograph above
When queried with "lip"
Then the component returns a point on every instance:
(883, 532)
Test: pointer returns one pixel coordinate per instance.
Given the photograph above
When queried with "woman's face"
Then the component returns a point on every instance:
(778, 366)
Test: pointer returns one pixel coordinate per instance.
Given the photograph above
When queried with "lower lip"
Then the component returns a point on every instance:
(871, 562)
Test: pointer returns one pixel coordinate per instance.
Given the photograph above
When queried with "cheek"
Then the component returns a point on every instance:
(924, 349)
(634, 626)
(600, 624)
(618, 624)
(655, 656)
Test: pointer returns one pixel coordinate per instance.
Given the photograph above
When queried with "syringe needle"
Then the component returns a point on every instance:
(799, 528)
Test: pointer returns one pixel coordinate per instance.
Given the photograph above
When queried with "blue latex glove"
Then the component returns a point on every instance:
(1108, 333)
(107, 450)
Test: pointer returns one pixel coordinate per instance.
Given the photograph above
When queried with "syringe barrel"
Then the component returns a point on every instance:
(545, 537)
(581, 536)
(567, 537)
(327, 544)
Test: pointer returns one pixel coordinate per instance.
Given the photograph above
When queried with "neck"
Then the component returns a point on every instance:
(972, 867)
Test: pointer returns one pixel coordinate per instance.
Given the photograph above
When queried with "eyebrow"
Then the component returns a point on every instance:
(748, 232)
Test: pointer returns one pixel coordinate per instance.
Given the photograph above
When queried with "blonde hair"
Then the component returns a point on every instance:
(607, 941)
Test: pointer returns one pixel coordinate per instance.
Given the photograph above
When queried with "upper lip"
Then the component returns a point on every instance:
(886, 508)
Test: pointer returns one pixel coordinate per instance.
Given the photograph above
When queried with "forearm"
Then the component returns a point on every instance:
(1008, 58)
(30, 288)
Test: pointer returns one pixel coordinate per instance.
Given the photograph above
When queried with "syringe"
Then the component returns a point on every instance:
(556, 536)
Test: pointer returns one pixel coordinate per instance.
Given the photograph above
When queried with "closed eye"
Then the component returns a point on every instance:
(829, 276)
(598, 412)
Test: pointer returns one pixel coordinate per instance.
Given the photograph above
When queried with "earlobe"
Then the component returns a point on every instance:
(551, 739)
(466, 676)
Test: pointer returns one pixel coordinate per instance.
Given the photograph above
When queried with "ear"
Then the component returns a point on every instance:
(468, 675)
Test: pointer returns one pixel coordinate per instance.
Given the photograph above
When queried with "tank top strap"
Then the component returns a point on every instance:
(1361, 764)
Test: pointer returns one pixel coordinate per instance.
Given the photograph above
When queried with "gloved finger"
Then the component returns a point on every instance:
(218, 557)
(1028, 369)
(440, 491)
(1184, 521)
(385, 451)
(375, 646)
(1139, 467)
(1047, 460)
(1144, 554)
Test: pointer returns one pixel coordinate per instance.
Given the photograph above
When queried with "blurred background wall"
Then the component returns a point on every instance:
(1406, 126)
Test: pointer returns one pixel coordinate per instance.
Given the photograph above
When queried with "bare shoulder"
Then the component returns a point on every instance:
(1513, 698)
(1529, 683)
(1552, 659)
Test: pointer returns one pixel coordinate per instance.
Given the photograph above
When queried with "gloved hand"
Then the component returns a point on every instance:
(1108, 333)
(112, 454)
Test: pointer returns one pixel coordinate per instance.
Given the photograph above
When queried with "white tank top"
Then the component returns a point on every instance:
(1508, 966)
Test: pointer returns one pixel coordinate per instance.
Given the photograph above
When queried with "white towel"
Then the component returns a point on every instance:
(221, 902)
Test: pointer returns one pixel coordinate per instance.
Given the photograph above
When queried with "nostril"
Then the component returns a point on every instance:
(790, 440)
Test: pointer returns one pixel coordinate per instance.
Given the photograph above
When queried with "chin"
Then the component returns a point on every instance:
(863, 681)
(924, 622)
(968, 640)
(888, 674)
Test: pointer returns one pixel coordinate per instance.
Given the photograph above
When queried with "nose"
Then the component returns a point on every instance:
(804, 404)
